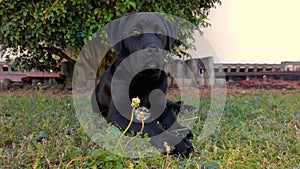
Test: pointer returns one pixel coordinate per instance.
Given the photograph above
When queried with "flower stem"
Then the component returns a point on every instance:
(138, 134)
(127, 128)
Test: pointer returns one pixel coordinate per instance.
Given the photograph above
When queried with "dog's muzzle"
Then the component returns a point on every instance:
(154, 54)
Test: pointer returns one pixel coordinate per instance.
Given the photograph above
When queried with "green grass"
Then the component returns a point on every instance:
(259, 130)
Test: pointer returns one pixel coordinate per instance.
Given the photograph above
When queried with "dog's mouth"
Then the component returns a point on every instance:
(150, 73)
(148, 63)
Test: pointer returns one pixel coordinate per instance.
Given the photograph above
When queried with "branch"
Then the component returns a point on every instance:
(62, 55)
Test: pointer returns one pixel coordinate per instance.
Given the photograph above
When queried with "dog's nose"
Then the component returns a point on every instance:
(152, 50)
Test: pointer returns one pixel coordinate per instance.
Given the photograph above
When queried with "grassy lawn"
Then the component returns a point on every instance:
(257, 130)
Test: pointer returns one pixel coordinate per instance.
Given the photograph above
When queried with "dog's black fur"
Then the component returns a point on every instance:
(149, 33)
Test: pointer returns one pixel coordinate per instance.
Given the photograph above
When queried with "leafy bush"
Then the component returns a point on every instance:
(39, 29)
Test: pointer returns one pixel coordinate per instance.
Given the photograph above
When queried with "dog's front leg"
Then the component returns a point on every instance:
(158, 136)
(117, 119)
(168, 120)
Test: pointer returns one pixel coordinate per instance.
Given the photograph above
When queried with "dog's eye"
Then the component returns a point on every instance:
(159, 32)
(136, 32)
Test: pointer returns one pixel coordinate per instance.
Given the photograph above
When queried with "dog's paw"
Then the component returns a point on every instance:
(179, 146)
(187, 109)
(180, 107)
(184, 148)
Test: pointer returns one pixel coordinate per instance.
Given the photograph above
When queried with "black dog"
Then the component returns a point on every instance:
(144, 37)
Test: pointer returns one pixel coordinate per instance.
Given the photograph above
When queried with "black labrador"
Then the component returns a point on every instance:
(144, 37)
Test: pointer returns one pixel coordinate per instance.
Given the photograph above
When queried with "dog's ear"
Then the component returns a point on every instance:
(114, 33)
(171, 36)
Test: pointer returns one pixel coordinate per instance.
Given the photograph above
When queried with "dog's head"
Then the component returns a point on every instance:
(146, 31)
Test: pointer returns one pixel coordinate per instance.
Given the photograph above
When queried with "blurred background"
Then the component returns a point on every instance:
(255, 31)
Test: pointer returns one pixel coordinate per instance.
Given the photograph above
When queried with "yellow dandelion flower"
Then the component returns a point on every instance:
(135, 102)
